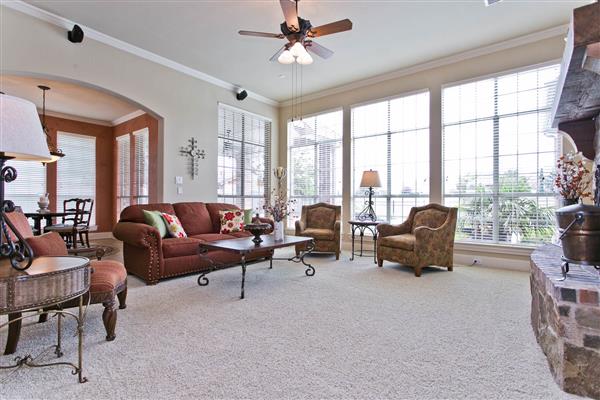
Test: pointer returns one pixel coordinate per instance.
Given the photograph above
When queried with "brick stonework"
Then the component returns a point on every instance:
(565, 316)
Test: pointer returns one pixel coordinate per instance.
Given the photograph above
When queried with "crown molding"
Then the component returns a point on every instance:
(93, 34)
(77, 118)
(440, 62)
(127, 117)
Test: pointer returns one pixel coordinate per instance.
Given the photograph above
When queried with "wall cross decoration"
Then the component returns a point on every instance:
(195, 154)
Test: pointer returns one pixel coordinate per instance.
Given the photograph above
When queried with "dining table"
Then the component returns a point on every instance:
(38, 216)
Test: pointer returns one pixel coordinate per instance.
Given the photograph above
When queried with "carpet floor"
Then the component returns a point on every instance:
(351, 331)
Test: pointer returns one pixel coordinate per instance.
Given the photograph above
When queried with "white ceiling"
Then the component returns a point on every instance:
(387, 35)
(68, 98)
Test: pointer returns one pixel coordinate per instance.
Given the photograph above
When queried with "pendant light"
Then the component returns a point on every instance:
(55, 153)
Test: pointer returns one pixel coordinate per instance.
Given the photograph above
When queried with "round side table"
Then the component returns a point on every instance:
(49, 282)
(361, 227)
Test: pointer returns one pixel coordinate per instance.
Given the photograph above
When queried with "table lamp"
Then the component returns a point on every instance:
(21, 138)
(370, 179)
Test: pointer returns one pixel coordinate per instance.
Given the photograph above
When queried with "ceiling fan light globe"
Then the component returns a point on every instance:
(286, 57)
(304, 59)
(297, 49)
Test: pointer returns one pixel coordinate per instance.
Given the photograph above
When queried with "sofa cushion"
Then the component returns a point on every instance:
(194, 217)
(178, 247)
(319, 234)
(135, 214)
(404, 242)
(155, 220)
(107, 275)
(321, 218)
(431, 217)
(174, 227)
(48, 244)
(213, 210)
(211, 237)
(231, 221)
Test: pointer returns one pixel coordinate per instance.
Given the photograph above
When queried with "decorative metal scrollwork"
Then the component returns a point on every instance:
(195, 154)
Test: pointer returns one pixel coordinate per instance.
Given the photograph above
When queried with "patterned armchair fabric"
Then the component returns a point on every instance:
(425, 238)
(322, 222)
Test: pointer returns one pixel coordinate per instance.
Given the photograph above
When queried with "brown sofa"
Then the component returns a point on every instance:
(152, 258)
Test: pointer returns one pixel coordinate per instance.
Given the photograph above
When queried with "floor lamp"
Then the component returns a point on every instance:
(21, 138)
(370, 180)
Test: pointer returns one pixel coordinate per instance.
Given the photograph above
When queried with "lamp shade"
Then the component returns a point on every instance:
(370, 178)
(21, 133)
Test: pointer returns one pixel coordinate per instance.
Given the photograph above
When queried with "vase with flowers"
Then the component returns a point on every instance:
(279, 206)
(573, 179)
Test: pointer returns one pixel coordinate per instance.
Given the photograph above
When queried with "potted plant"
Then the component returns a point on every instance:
(573, 178)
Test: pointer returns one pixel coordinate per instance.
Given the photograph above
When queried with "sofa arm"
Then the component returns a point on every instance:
(384, 230)
(299, 227)
(136, 234)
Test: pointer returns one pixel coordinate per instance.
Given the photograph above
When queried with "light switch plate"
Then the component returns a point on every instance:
(179, 189)
(179, 180)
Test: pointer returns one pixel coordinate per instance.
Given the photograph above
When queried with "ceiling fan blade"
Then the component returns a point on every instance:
(319, 50)
(276, 55)
(333, 27)
(291, 14)
(262, 34)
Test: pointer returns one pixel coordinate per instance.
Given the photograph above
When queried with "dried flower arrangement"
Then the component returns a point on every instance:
(573, 178)
(279, 207)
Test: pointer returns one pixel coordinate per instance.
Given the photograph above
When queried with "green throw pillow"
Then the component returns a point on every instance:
(153, 218)
(247, 216)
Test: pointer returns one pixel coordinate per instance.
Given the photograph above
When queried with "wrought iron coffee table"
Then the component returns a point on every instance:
(245, 247)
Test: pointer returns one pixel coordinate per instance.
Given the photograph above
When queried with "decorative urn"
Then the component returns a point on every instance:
(579, 229)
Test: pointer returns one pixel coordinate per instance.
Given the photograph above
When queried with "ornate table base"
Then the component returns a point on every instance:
(30, 361)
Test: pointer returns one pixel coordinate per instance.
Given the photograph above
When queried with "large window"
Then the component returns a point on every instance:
(244, 158)
(123, 172)
(76, 172)
(392, 138)
(315, 159)
(25, 191)
(498, 157)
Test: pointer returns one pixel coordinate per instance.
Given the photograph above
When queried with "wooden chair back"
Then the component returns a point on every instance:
(79, 211)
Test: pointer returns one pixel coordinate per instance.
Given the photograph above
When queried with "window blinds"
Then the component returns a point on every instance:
(141, 166)
(498, 157)
(76, 171)
(29, 185)
(315, 159)
(392, 138)
(244, 158)
(123, 172)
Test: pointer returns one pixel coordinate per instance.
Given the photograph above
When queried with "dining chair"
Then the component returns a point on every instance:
(75, 224)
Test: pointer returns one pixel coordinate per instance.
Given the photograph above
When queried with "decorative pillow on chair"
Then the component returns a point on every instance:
(174, 227)
(232, 221)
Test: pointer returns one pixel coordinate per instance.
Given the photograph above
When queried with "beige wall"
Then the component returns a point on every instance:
(188, 106)
(432, 79)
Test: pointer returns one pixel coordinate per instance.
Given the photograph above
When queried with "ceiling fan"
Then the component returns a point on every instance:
(300, 33)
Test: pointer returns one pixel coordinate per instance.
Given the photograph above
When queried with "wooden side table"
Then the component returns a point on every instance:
(361, 227)
(49, 282)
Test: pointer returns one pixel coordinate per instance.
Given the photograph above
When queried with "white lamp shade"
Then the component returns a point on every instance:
(286, 57)
(21, 133)
(304, 59)
(370, 178)
(297, 49)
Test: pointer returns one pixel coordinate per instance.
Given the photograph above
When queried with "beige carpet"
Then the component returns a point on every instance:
(351, 331)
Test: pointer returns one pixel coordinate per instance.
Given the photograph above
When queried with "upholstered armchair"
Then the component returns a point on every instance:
(322, 222)
(425, 238)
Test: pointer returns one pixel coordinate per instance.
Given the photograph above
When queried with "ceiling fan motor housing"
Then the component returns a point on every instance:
(305, 26)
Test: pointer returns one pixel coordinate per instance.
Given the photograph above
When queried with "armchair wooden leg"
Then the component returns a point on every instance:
(418, 272)
(450, 268)
(122, 299)
(43, 318)
(380, 262)
(109, 317)
(337, 255)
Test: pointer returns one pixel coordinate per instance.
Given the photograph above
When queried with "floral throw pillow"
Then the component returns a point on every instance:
(174, 227)
(232, 221)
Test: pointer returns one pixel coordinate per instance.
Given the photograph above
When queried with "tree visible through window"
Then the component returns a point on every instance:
(499, 157)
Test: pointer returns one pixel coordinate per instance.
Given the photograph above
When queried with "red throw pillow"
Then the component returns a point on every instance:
(231, 221)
